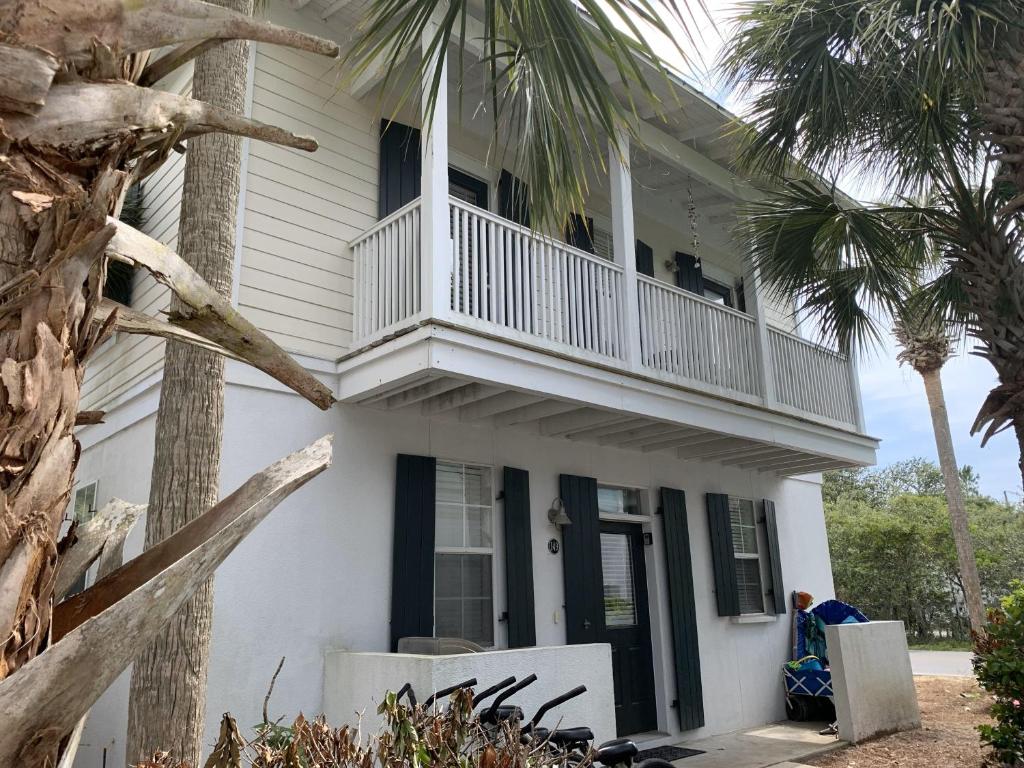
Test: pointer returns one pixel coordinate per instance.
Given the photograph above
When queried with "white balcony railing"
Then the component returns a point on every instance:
(688, 338)
(508, 276)
(509, 281)
(811, 378)
(388, 273)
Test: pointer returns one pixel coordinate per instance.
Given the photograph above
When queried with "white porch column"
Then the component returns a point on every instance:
(754, 295)
(624, 243)
(436, 268)
(858, 403)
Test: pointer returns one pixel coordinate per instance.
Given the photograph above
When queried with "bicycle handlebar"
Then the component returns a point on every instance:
(510, 692)
(488, 692)
(406, 690)
(549, 705)
(448, 691)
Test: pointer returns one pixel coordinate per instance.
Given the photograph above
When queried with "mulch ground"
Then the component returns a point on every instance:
(951, 708)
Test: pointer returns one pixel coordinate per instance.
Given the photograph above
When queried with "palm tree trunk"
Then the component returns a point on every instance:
(954, 497)
(167, 700)
(46, 254)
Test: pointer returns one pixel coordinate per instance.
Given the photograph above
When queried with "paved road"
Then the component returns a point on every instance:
(951, 663)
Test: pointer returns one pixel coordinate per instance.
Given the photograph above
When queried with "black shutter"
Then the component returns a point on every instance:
(513, 199)
(741, 296)
(682, 610)
(522, 631)
(118, 285)
(644, 259)
(581, 560)
(689, 275)
(400, 163)
(723, 556)
(412, 560)
(579, 232)
(771, 526)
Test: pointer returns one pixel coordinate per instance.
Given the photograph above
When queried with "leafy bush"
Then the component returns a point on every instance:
(449, 736)
(999, 664)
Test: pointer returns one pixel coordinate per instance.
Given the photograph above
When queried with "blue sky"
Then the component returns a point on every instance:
(894, 400)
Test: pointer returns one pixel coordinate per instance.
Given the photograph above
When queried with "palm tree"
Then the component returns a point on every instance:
(926, 346)
(190, 421)
(80, 125)
(916, 95)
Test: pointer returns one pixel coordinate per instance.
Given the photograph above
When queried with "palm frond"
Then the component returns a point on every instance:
(847, 266)
(549, 67)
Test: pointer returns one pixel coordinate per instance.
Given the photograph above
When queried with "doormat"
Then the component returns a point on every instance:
(666, 753)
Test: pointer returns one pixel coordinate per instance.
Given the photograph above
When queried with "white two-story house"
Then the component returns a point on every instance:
(606, 437)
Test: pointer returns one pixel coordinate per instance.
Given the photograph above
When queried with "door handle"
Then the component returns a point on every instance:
(586, 623)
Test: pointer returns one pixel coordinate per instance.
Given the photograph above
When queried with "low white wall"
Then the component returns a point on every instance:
(355, 683)
(871, 679)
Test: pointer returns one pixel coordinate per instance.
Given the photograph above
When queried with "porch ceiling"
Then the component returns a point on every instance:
(467, 384)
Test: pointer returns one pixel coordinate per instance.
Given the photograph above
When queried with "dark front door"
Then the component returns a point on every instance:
(627, 626)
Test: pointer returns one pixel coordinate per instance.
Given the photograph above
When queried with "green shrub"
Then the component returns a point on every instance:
(999, 664)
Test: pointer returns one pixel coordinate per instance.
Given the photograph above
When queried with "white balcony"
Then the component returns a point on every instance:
(513, 283)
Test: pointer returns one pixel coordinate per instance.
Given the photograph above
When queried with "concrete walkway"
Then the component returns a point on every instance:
(942, 663)
(770, 745)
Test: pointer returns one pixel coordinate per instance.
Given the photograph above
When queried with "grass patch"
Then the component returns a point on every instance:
(941, 644)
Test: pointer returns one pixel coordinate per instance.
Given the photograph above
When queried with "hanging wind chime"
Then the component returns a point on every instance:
(692, 211)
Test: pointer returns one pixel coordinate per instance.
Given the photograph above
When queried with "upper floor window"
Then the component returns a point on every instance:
(612, 500)
(464, 553)
(748, 555)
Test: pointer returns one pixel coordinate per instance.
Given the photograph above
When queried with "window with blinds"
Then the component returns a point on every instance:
(619, 594)
(464, 553)
(747, 555)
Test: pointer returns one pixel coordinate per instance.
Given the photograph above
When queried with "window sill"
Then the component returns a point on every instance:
(754, 618)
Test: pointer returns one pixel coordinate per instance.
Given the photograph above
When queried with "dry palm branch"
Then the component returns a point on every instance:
(80, 123)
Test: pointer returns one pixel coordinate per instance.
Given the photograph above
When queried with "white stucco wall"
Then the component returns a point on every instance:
(356, 682)
(315, 576)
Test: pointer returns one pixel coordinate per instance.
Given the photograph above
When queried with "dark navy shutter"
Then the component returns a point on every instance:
(118, 285)
(522, 631)
(412, 561)
(682, 610)
(771, 526)
(741, 296)
(579, 232)
(581, 560)
(689, 275)
(644, 258)
(513, 199)
(400, 163)
(723, 556)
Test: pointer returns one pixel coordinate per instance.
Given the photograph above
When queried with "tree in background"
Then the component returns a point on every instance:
(892, 553)
(167, 699)
(925, 345)
(927, 99)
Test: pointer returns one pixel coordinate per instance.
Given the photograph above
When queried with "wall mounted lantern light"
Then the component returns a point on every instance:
(557, 515)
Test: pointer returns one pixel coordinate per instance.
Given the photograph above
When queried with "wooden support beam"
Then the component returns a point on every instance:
(605, 429)
(672, 431)
(755, 452)
(535, 412)
(421, 392)
(574, 421)
(680, 440)
(795, 458)
(624, 436)
(457, 398)
(824, 466)
(707, 449)
(499, 403)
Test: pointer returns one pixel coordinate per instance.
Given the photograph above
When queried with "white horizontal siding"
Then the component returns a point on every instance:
(302, 209)
(127, 359)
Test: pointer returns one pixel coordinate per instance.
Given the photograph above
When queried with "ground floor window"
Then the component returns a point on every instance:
(464, 553)
(748, 555)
